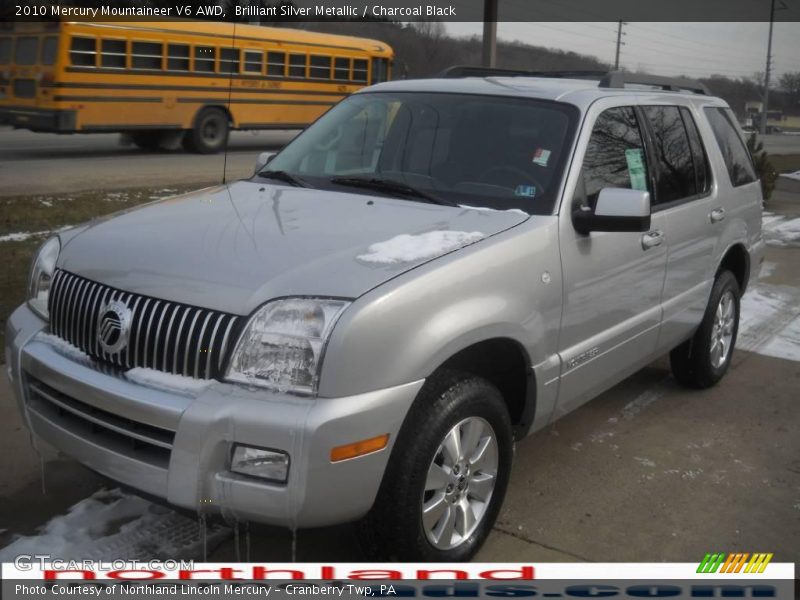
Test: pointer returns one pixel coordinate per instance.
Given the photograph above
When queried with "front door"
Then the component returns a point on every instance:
(612, 281)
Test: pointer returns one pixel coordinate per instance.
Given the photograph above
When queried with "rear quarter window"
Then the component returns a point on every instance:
(734, 151)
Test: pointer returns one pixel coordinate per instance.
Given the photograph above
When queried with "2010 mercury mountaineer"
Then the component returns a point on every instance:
(359, 332)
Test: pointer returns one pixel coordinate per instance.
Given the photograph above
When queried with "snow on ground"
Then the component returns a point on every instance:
(785, 344)
(782, 233)
(23, 236)
(111, 523)
(407, 248)
(167, 381)
(795, 175)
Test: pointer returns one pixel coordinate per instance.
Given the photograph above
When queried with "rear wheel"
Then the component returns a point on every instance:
(703, 360)
(210, 132)
(447, 476)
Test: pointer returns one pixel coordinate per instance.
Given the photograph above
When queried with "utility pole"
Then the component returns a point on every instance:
(619, 44)
(765, 108)
(489, 33)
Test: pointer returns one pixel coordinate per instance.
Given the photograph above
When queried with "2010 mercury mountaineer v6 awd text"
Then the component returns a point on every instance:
(360, 331)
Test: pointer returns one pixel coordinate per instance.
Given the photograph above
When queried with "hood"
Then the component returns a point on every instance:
(234, 247)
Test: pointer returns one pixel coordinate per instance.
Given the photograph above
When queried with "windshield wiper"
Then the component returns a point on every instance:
(390, 186)
(284, 177)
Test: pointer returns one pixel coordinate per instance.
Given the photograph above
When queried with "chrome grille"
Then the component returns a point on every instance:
(166, 336)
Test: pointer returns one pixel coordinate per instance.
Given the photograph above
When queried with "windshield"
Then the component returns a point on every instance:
(474, 150)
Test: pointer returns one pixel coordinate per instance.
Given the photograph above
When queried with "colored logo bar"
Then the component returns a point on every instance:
(740, 562)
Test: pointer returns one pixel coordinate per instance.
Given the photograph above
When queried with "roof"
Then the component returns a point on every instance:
(579, 92)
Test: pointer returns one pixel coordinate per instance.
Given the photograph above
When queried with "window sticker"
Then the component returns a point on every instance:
(636, 169)
(541, 157)
(525, 191)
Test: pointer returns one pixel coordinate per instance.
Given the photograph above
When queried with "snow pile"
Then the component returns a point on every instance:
(407, 248)
(167, 381)
(21, 236)
(782, 233)
(112, 524)
(62, 346)
(795, 175)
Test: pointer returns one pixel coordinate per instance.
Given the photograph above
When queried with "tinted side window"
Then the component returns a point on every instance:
(5, 50)
(734, 152)
(676, 179)
(146, 55)
(204, 58)
(341, 69)
(276, 62)
(702, 170)
(177, 57)
(82, 51)
(615, 156)
(26, 51)
(49, 50)
(113, 53)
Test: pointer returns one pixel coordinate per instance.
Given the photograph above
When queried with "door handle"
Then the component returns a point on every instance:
(651, 239)
(717, 215)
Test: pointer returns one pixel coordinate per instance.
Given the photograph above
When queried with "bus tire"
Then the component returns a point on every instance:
(210, 132)
(147, 140)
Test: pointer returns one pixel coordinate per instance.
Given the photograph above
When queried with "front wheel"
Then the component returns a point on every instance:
(447, 476)
(703, 360)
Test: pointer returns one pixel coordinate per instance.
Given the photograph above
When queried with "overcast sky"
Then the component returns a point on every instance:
(693, 49)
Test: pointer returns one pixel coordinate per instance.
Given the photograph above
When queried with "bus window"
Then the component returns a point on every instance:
(253, 61)
(146, 55)
(380, 70)
(360, 70)
(49, 50)
(113, 54)
(26, 51)
(341, 69)
(320, 67)
(5, 50)
(276, 64)
(297, 65)
(82, 52)
(178, 57)
(229, 60)
(204, 59)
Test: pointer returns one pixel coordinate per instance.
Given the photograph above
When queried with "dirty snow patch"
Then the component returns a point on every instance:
(795, 175)
(167, 381)
(21, 236)
(645, 462)
(113, 524)
(407, 248)
(516, 211)
(785, 344)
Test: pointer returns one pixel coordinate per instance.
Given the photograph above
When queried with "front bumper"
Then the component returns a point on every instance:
(176, 444)
(39, 119)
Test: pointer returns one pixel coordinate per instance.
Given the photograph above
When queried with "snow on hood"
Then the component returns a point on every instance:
(406, 248)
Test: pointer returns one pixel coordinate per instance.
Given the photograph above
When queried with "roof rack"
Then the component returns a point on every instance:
(606, 79)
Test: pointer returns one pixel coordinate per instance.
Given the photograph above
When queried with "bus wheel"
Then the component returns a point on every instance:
(210, 132)
(147, 140)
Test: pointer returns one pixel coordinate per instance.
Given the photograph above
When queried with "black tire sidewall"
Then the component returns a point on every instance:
(419, 439)
(198, 143)
(702, 346)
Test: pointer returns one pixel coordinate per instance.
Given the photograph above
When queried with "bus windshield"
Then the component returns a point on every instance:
(482, 151)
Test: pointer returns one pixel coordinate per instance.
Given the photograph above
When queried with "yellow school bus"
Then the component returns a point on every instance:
(193, 79)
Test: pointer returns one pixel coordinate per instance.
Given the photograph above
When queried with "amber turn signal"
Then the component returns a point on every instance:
(359, 448)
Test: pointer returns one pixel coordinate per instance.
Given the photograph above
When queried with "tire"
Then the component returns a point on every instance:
(147, 140)
(449, 404)
(210, 132)
(704, 359)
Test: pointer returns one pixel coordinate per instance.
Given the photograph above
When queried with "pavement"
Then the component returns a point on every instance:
(647, 471)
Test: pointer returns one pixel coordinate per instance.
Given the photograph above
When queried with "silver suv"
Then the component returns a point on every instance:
(360, 331)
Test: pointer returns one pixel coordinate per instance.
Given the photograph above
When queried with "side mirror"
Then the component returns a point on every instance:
(263, 159)
(617, 210)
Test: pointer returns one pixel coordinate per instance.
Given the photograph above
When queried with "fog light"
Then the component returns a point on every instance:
(260, 462)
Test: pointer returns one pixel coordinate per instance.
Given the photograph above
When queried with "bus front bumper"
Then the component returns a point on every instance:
(176, 444)
(39, 119)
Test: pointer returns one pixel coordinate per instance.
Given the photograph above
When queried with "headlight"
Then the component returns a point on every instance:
(282, 345)
(42, 276)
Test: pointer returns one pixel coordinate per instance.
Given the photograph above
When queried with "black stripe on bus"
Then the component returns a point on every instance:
(224, 38)
(106, 99)
(223, 76)
(225, 100)
(186, 88)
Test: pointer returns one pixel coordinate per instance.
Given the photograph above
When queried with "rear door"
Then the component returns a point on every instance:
(685, 198)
